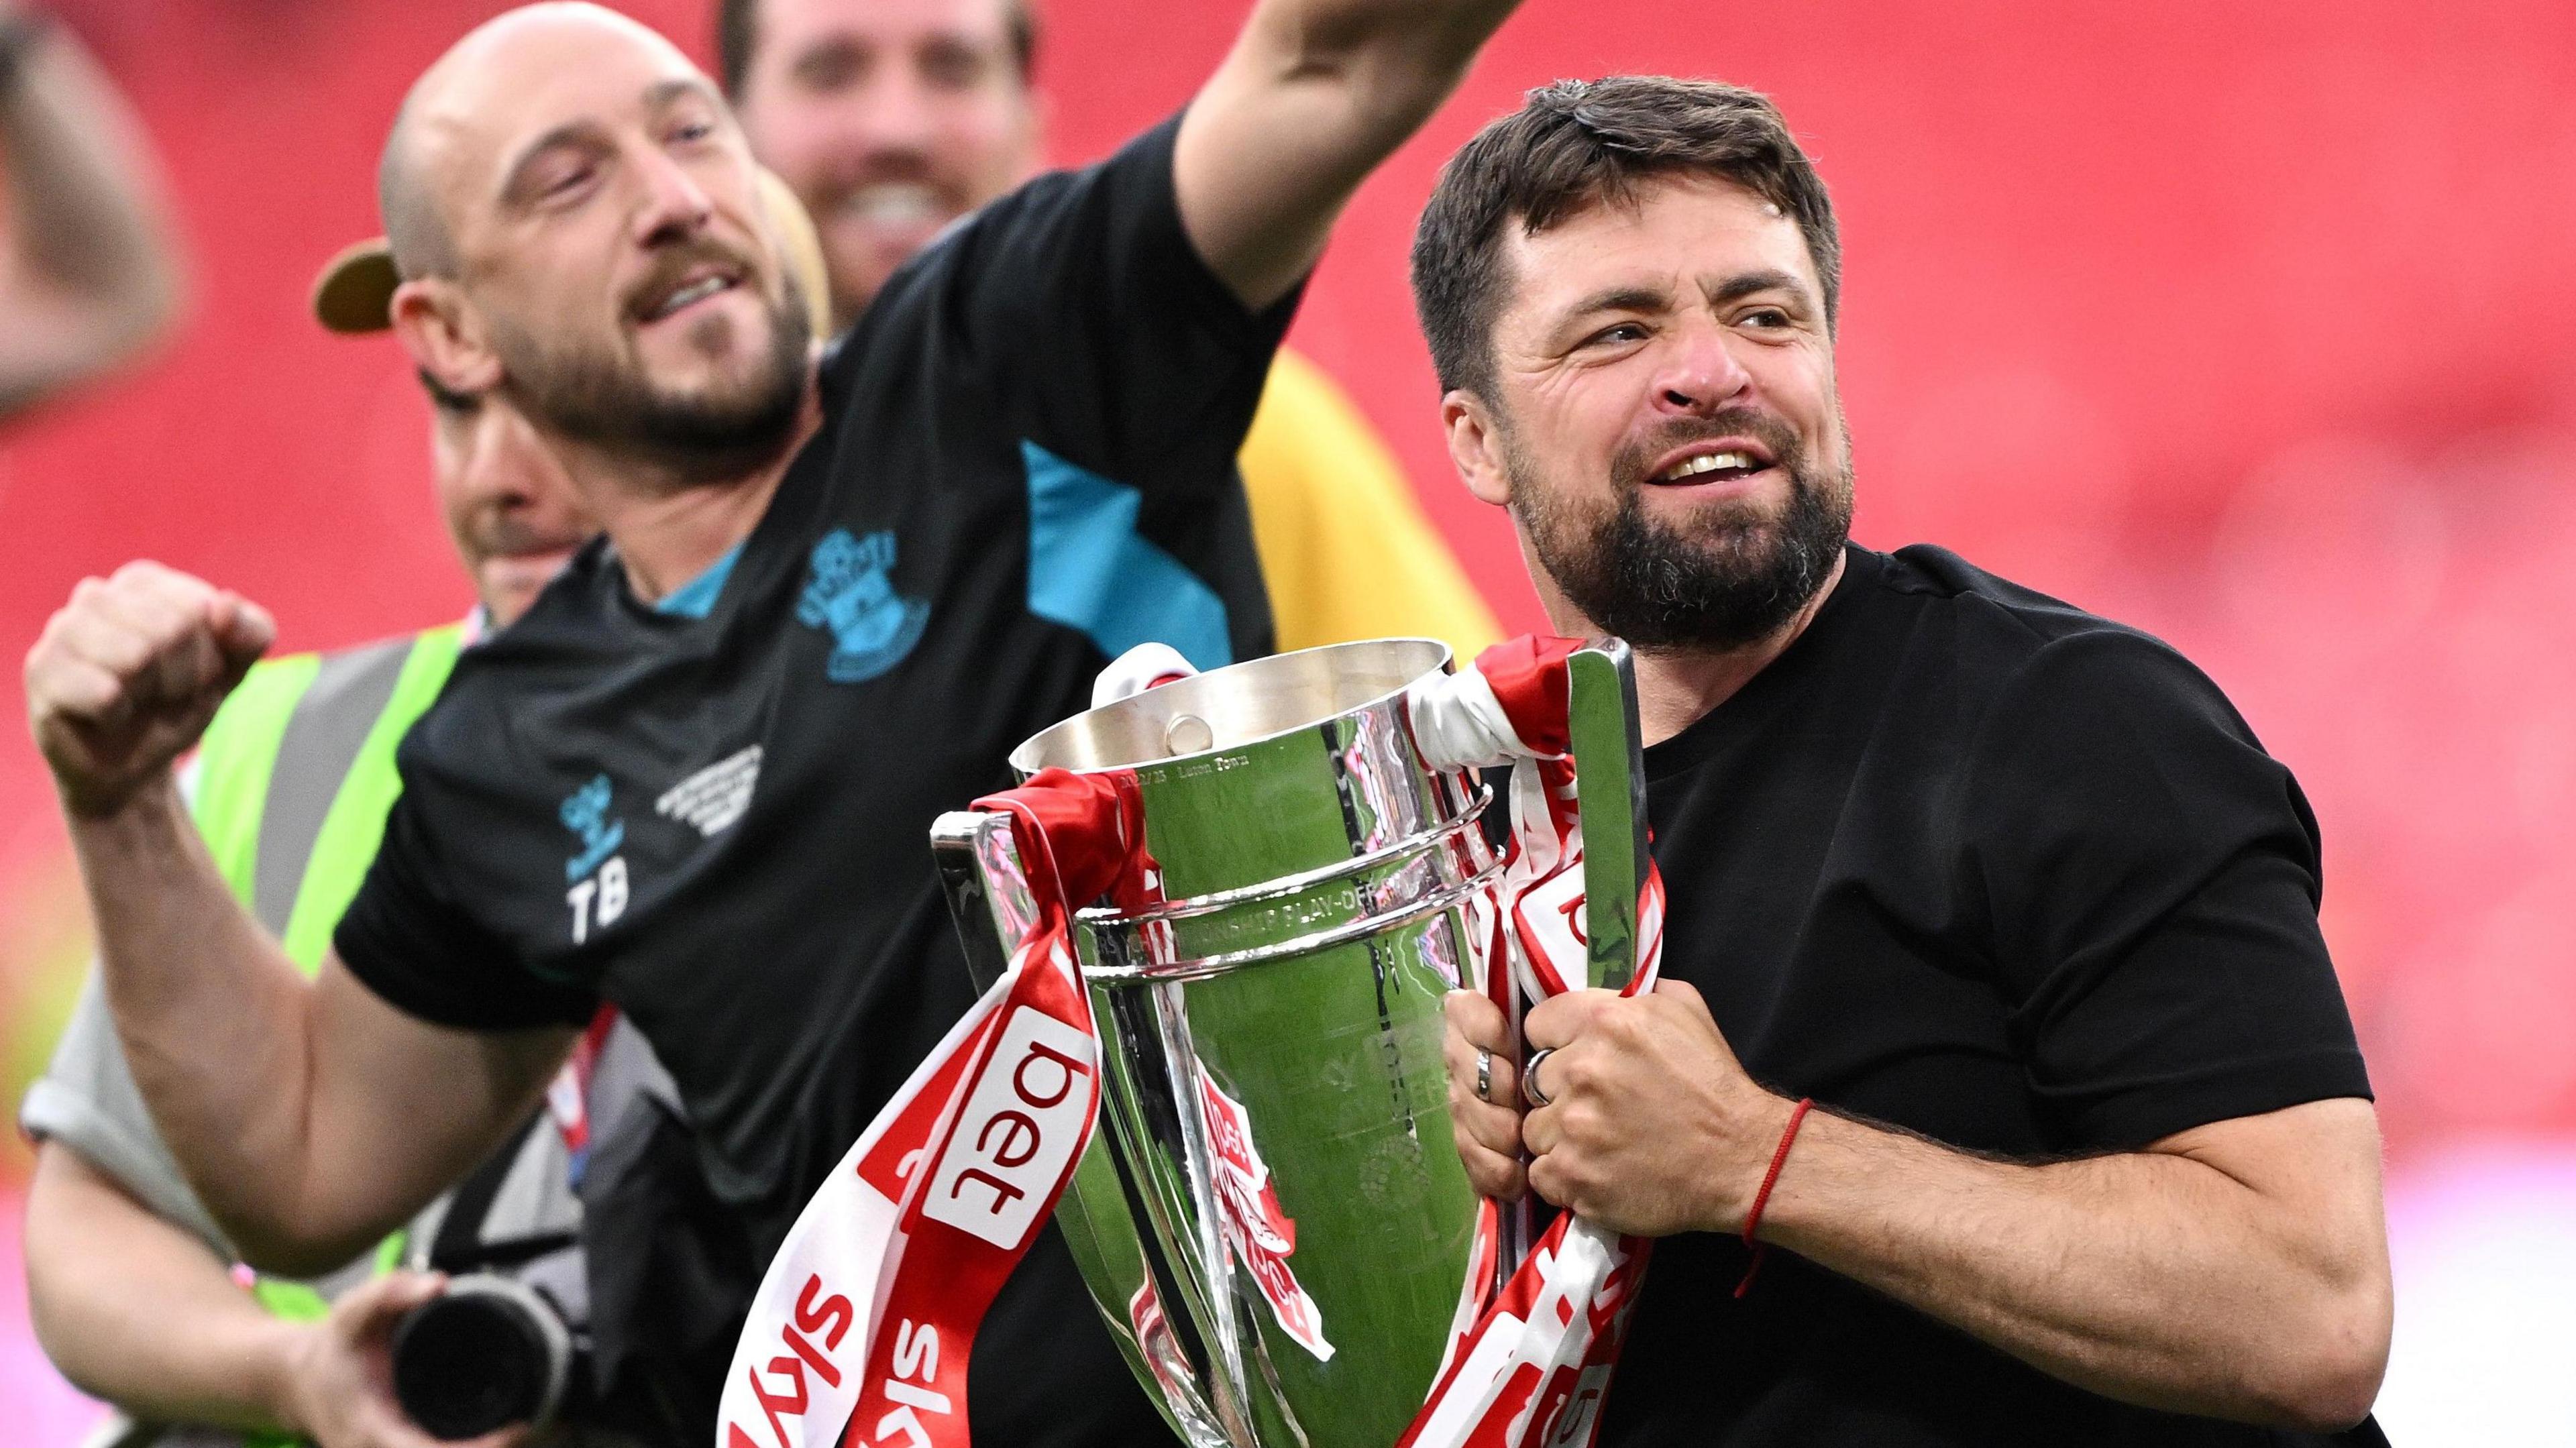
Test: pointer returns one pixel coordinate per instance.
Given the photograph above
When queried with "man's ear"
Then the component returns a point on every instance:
(1476, 447)
(444, 336)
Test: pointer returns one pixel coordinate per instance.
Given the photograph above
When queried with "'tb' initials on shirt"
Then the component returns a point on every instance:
(607, 889)
(598, 873)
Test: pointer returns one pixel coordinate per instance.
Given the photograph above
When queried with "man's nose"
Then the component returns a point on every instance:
(1700, 374)
(892, 113)
(674, 205)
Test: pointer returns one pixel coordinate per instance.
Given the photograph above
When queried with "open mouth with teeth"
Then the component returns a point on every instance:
(688, 293)
(1716, 467)
(894, 205)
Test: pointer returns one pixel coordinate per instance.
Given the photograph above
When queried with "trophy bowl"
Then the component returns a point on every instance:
(1272, 1215)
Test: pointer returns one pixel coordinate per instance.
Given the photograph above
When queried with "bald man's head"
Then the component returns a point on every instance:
(414, 231)
(578, 225)
(406, 187)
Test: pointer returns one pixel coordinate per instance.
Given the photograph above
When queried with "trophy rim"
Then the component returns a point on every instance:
(1024, 764)
(1425, 844)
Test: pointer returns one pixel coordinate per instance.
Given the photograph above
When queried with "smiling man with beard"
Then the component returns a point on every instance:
(1724, 577)
(696, 779)
(2007, 892)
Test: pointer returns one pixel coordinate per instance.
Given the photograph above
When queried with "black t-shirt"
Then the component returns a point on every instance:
(721, 823)
(1974, 863)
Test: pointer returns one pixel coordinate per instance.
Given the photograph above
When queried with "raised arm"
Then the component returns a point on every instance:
(1314, 94)
(310, 1117)
(91, 275)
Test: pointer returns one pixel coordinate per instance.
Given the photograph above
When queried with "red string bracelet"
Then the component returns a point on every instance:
(1762, 1197)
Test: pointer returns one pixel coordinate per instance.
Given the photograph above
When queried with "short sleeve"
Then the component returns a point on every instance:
(2151, 877)
(87, 1100)
(408, 939)
(1109, 342)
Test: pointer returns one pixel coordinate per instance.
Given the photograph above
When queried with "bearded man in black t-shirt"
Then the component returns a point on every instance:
(2008, 890)
(697, 778)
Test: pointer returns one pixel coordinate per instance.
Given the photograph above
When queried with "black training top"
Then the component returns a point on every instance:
(1969, 861)
(721, 823)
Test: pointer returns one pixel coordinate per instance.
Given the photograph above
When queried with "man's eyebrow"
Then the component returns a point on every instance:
(662, 92)
(1745, 284)
(569, 133)
(1627, 298)
(656, 97)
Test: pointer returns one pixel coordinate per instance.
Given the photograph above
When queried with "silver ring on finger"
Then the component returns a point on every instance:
(1484, 1075)
(1530, 1091)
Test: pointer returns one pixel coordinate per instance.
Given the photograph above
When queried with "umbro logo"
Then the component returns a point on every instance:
(716, 796)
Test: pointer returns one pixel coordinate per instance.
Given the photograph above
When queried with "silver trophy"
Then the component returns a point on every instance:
(1272, 1214)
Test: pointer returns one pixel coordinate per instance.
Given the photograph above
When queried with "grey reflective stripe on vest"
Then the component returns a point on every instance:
(323, 736)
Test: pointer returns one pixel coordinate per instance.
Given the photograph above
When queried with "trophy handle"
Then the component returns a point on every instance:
(988, 891)
(1610, 790)
(1104, 1218)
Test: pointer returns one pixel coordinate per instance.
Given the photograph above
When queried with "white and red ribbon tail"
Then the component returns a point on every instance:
(866, 1320)
(1529, 1365)
(793, 1379)
(979, 1198)
(1539, 1363)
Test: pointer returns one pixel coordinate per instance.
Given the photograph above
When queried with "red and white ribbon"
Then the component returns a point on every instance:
(1529, 1365)
(867, 1316)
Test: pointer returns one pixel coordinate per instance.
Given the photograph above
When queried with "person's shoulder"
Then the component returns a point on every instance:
(999, 231)
(2003, 627)
(260, 703)
(2032, 663)
(563, 620)
(1142, 164)
(485, 673)
(268, 695)
(1972, 594)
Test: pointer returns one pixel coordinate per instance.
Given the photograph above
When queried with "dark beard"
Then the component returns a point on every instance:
(608, 403)
(1721, 580)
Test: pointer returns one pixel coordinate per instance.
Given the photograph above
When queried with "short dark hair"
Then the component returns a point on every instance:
(738, 30)
(1574, 145)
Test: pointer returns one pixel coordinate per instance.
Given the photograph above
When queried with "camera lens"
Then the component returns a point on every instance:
(487, 1354)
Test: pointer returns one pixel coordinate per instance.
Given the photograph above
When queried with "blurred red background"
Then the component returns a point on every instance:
(2251, 325)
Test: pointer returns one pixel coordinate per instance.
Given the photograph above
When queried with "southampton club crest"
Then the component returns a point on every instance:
(850, 594)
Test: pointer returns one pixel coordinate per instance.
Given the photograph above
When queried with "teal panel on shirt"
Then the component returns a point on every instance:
(697, 597)
(1089, 568)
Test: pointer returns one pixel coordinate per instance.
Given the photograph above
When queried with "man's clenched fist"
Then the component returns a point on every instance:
(126, 675)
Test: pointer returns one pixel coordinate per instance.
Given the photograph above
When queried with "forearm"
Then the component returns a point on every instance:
(1313, 96)
(1386, 63)
(136, 1311)
(216, 1024)
(2150, 1277)
(85, 215)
